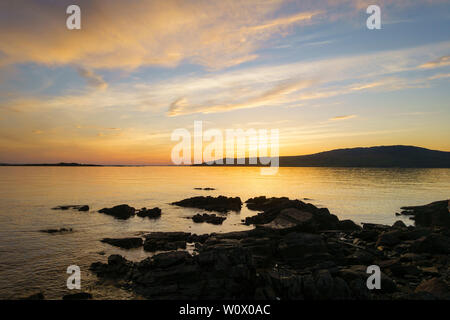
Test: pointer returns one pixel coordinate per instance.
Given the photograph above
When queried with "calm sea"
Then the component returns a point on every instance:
(32, 261)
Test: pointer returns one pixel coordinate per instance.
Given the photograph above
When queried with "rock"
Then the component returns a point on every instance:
(433, 271)
(430, 215)
(165, 241)
(434, 243)
(60, 230)
(122, 211)
(375, 227)
(302, 249)
(296, 251)
(75, 207)
(168, 259)
(367, 235)
(208, 218)
(149, 213)
(290, 218)
(220, 203)
(324, 284)
(126, 243)
(399, 225)
(35, 296)
(437, 287)
(116, 268)
(348, 225)
(78, 296)
(360, 256)
(388, 239)
(401, 270)
(289, 212)
(262, 203)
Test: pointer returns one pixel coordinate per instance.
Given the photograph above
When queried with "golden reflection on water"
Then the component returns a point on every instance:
(32, 260)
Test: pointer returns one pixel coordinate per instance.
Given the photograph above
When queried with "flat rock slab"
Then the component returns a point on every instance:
(289, 218)
(126, 243)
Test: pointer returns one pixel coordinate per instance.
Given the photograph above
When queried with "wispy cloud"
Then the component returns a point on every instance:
(440, 62)
(338, 118)
(92, 78)
(270, 97)
(439, 76)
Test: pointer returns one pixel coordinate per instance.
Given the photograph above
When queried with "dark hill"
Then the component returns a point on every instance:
(382, 156)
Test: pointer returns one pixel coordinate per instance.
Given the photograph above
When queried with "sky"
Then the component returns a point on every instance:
(115, 90)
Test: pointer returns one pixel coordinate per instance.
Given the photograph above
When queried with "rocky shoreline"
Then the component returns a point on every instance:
(296, 251)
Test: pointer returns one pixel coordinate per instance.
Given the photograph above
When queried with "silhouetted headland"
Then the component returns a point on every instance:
(376, 157)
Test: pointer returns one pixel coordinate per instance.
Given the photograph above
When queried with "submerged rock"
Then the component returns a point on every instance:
(75, 207)
(220, 203)
(122, 211)
(149, 213)
(126, 243)
(60, 230)
(208, 218)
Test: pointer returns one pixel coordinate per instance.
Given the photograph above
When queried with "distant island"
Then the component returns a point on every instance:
(380, 156)
(61, 164)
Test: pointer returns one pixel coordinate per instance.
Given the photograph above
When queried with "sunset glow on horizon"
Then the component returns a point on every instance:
(114, 91)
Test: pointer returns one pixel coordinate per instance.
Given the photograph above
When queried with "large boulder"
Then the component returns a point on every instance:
(122, 211)
(116, 268)
(220, 203)
(389, 238)
(262, 203)
(286, 214)
(348, 225)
